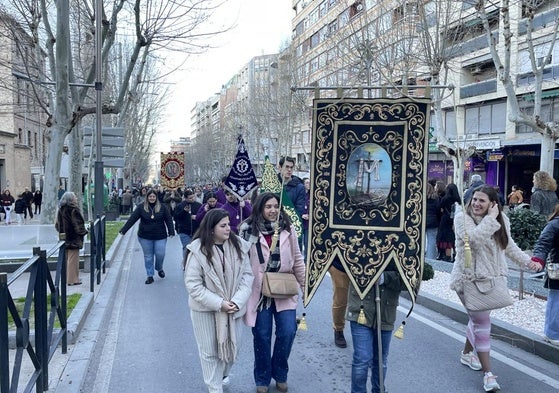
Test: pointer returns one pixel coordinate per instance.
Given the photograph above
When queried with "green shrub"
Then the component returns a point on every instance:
(428, 272)
(525, 227)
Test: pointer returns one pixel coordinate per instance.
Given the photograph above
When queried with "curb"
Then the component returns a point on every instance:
(500, 330)
(77, 364)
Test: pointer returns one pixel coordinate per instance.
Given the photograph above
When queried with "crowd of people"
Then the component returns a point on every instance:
(24, 205)
(231, 245)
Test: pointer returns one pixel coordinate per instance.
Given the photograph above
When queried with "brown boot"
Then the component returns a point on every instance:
(339, 339)
(262, 389)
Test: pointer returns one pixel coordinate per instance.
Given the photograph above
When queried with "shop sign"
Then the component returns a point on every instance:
(484, 144)
(495, 155)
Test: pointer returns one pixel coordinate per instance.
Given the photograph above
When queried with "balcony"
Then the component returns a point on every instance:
(478, 88)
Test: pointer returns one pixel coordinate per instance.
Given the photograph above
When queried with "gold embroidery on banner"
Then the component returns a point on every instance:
(368, 173)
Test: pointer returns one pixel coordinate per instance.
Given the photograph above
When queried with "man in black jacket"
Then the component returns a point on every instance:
(185, 217)
(28, 198)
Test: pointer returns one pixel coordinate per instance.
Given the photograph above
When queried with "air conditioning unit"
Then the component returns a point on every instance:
(476, 70)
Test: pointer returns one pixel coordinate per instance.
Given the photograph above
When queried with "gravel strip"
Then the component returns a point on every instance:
(528, 313)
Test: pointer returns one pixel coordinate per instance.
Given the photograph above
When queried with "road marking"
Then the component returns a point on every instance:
(494, 354)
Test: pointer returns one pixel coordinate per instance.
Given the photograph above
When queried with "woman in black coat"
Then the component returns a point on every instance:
(38, 201)
(156, 223)
(445, 234)
(70, 224)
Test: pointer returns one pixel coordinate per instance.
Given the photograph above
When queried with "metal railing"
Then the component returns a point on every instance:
(97, 253)
(40, 313)
(47, 338)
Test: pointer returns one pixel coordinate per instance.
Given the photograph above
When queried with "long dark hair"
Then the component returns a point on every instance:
(501, 234)
(205, 233)
(257, 214)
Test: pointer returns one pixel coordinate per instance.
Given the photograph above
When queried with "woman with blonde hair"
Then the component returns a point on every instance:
(544, 198)
(70, 222)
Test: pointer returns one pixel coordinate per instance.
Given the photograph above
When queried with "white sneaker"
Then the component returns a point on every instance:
(551, 341)
(470, 360)
(490, 382)
(226, 380)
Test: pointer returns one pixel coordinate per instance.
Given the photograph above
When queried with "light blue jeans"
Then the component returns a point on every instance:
(551, 326)
(268, 365)
(365, 357)
(431, 251)
(151, 249)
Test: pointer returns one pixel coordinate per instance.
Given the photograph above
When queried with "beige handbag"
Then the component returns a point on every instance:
(486, 294)
(278, 285)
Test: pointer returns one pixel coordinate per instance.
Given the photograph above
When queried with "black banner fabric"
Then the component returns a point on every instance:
(368, 176)
(241, 179)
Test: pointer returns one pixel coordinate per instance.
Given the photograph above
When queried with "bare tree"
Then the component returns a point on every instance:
(179, 26)
(539, 56)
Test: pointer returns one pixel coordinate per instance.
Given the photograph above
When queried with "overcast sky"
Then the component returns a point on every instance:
(261, 27)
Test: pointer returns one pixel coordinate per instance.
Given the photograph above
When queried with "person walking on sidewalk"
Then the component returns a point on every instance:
(185, 218)
(7, 202)
(548, 245)
(211, 203)
(156, 224)
(70, 223)
(274, 251)
(488, 231)
(38, 201)
(218, 279)
(19, 208)
(28, 198)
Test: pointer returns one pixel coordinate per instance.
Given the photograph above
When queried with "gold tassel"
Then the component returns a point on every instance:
(467, 252)
(275, 238)
(302, 323)
(399, 333)
(361, 319)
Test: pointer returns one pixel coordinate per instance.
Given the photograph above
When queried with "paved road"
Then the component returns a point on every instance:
(146, 345)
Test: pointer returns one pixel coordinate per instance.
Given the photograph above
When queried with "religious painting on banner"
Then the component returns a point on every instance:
(368, 176)
(172, 169)
(241, 179)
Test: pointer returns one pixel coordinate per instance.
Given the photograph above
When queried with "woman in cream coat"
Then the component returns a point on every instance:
(218, 278)
(488, 230)
(276, 255)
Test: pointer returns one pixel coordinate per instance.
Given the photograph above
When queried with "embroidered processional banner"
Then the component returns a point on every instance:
(241, 179)
(172, 169)
(368, 176)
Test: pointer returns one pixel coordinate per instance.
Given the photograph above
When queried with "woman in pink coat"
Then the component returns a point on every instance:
(276, 251)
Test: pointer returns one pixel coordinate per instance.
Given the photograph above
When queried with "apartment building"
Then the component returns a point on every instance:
(329, 49)
(249, 104)
(22, 121)
(477, 112)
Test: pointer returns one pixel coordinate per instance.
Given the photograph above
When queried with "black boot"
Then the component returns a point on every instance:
(339, 339)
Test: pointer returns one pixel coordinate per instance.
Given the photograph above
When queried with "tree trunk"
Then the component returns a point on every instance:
(62, 116)
(548, 153)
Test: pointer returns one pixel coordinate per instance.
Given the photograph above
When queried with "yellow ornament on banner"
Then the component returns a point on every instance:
(271, 183)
